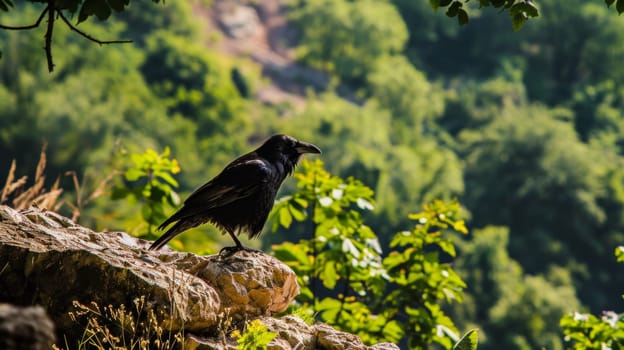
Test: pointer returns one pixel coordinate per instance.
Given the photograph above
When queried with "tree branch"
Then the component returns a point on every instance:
(48, 36)
(71, 26)
(52, 11)
(34, 25)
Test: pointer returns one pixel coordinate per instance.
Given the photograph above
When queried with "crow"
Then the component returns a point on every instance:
(240, 198)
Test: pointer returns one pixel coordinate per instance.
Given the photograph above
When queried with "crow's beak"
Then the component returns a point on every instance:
(304, 147)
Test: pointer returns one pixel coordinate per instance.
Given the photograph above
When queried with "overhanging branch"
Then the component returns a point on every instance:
(101, 42)
(34, 25)
(48, 36)
(51, 11)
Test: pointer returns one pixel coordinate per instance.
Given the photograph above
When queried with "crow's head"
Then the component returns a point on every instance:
(285, 149)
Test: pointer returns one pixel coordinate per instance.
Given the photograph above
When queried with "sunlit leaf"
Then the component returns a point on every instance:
(329, 276)
(469, 341)
(285, 218)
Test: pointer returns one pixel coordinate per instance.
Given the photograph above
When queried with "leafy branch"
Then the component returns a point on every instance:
(54, 9)
(379, 299)
(149, 181)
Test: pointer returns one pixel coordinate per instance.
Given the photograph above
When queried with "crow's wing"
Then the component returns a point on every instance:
(237, 181)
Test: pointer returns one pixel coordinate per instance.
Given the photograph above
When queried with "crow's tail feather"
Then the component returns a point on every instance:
(167, 236)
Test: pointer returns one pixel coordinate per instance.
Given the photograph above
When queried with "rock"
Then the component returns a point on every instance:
(293, 333)
(52, 261)
(251, 283)
(48, 260)
(25, 328)
(239, 21)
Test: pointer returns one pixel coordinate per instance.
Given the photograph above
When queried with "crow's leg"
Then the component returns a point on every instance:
(239, 246)
(231, 250)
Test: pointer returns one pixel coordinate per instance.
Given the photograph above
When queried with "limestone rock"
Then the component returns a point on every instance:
(51, 261)
(25, 328)
(252, 283)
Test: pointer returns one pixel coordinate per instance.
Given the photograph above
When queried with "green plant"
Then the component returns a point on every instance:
(589, 332)
(255, 337)
(420, 280)
(149, 181)
(378, 299)
(469, 341)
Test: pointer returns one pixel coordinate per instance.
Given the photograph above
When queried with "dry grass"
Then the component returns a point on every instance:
(18, 194)
(120, 328)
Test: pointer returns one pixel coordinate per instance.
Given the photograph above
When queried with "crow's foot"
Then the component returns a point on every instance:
(229, 251)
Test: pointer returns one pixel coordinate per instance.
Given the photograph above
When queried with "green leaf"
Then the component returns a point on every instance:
(445, 3)
(88, 8)
(328, 303)
(393, 331)
(118, 5)
(619, 6)
(102, 11)
(468, 341)
(523, 7)
(619, 253)
(609, 2)
(285, 219)
(462, 17)
(167, 177)
(519, 20)
(290, 252)
(453, 9)
(329, 276)
(298, 214)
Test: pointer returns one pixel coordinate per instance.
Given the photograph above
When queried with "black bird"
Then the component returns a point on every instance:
(240, 198)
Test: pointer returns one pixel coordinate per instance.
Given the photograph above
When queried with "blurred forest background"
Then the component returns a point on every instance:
(524, 128)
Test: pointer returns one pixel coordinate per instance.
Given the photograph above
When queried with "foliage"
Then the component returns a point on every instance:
(468, 341)
(348, 37)
(365, 142)
(397, 86)
(421, 279)
(519, 10)
(255, 337)
(513, 310)
(529, 135)
(546, 167)
(378, 299)
(115, 327)
(588, 332)
(149, 181)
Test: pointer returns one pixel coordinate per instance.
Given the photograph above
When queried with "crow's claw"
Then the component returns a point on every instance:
(228, 251)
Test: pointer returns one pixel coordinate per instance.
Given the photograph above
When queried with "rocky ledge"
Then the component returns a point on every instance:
(47, 260)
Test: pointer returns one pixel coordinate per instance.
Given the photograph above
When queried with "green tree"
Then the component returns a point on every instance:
(397, 86)
(541, 182)
(512, 310)
(346, 38)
